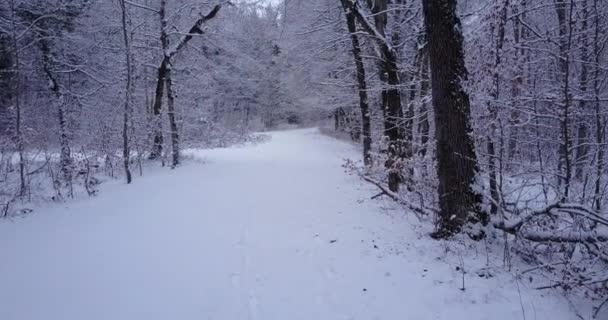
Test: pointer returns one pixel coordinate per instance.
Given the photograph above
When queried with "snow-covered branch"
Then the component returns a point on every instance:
(521, 225)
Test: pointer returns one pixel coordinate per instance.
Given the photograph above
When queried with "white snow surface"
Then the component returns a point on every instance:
(271, 231)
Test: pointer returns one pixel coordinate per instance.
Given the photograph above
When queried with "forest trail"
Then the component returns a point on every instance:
(274, 231)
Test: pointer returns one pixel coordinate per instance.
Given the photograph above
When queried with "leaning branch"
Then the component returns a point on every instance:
(195, 29)
(163, 68)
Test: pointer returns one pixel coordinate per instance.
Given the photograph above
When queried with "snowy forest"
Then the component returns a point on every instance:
(485, 120)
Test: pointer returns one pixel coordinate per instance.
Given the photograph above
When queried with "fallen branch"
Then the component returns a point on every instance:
(517, 225)
(39, 168)
(395, 197)
(514, 224)
(597, 310)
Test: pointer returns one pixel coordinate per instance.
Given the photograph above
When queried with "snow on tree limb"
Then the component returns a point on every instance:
(519, 225)
(195, 29)
(369, 27)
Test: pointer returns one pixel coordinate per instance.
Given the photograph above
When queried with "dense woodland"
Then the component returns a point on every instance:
(486, 117)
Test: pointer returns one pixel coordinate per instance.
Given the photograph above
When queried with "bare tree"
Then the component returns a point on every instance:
(391, 97)
(17, 103)
(361, 81)
(163, 74)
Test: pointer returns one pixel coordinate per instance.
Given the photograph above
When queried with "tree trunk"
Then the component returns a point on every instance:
(424, 126)
(128, 94)
(456, 160)
(361, 82)
(517, 82)
(493, 108)
(65, 158)
(164, 66)
(600, 118)
(16, 93)
(582, 135)
(157, 148)
(565, 43)
(65, 155)
(391, 97)
(172, 120)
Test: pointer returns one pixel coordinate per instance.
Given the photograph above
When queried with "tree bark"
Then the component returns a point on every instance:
(128, 94)
(361, 82)
(582, 135)
(65, 157)
(172, 120)
(424, 126)
(565, 21)
(161, 80)
(391, 97)
(157, 148)
(493, 108)
(457, 166)
(600, 118)
(16, 96)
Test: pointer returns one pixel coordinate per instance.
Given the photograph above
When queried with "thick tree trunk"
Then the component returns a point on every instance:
(361, 83)
(457, 166)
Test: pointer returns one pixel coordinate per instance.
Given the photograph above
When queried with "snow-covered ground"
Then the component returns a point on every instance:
(272, 231)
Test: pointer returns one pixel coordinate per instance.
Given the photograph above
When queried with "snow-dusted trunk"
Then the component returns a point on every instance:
(424, 125)
(17, 105)
(164, 72)
(157, 147)
(128, 94)
(600, 117)
(65, 155)
(361, 82)
(519, 34)
(494, 95)
(391, 98)
(457, 166)
(64, 142)
(410, 113)
(172, 120)
(582, 148)
(565, 24)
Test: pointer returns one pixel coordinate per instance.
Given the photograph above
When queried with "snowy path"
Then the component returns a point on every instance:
(274, 231)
